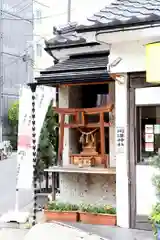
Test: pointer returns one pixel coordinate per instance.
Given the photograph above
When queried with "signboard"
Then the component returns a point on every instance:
(120, 138)
(149, 147)
(44, 95)
(157, 129)
(147, 96)
(152, 62)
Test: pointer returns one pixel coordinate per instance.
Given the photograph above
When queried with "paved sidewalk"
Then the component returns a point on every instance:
(115, 233)
(12, 234)
(48, 231)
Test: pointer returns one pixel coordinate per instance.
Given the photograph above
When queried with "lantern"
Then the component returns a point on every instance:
(153, 62)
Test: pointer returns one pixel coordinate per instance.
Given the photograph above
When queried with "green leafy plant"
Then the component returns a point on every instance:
(61, 207)
(13, 114)
(106, 209)
(155, 214)
(47, 147)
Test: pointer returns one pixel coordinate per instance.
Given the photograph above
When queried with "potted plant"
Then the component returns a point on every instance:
(155, 220)
(61, 212)
(105, 215)
(155, 214)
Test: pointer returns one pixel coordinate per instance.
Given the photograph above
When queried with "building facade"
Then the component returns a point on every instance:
(16, 29)
(126, 29)
(123, 30)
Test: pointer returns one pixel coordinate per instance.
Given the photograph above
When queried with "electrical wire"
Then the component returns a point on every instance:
(14, 15)
(32, 19)
(17, 4)
(21, 56)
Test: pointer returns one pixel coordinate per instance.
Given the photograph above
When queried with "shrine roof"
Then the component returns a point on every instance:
(123, 13)
(66, 37)
(84, 67)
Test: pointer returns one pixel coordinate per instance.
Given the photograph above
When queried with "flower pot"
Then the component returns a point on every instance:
(61, 216)
(101, 219)
(158, 230)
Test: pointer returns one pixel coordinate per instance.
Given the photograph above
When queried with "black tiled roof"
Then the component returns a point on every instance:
(81, 68)
(80, 62)
(65, 35)
(55, 79)
(123, 13)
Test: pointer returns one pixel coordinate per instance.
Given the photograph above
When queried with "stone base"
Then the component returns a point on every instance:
(88, 188)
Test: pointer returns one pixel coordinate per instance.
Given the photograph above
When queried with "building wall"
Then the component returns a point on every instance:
(17, 34)
(144, 95)
(132, 54)
(122, 198)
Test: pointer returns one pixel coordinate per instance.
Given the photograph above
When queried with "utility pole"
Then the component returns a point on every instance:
(1, 68)
(69, 11)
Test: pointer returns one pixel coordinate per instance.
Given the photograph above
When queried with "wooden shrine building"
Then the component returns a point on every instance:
(85, 108)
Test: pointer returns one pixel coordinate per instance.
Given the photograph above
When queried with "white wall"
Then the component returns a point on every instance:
(132, 54)
(122, 200)
(64, 103)
(145, 191)
(112, 152)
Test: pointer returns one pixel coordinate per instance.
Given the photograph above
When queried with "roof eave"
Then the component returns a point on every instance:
(104, 27)
(90, 78)
(65, 46)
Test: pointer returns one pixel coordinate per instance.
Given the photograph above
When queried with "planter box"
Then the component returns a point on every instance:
(61, 216)
(100, 219)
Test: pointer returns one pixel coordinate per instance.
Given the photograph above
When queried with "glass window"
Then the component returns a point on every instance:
(148, 132)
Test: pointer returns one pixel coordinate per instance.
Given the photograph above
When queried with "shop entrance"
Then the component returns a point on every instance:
(144, 142)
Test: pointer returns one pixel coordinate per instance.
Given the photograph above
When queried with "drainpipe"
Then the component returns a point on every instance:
(69, 12)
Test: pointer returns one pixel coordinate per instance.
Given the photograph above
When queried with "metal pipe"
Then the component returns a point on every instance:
(69, 12)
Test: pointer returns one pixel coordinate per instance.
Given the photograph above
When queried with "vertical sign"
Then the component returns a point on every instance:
(44, 95)
(120, 137)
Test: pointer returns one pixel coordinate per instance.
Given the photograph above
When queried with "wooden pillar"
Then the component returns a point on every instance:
(53, 187)
(61, 138)
(102, 138)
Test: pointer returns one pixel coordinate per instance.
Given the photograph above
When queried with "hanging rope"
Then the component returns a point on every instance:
(87, 137)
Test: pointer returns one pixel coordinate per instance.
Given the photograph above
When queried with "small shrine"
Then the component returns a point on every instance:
(87, 115)
(92, 135)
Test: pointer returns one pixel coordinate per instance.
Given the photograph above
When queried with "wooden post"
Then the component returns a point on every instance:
(61, 138)
(102, 138)
(53, 187)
